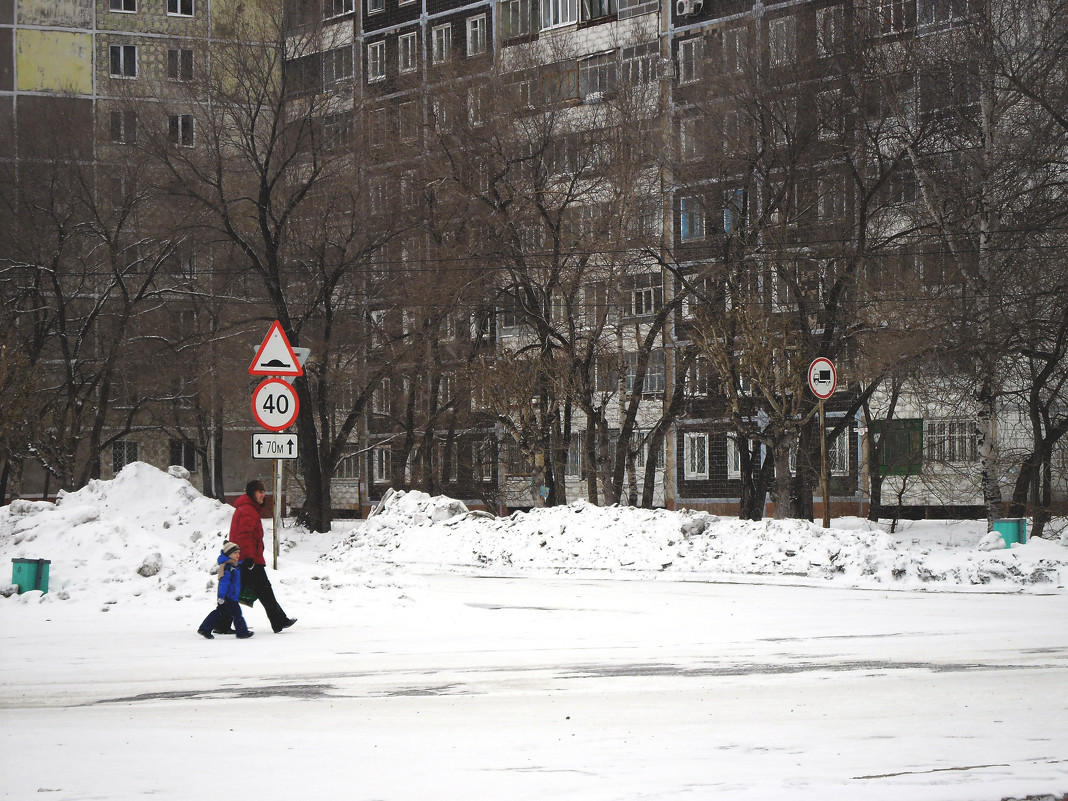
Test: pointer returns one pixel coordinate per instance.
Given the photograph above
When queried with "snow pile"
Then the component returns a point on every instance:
(142, 532)
(150, 534)
(415, 529)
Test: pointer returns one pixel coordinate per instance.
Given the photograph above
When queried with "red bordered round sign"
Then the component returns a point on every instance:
(822, 378)
(275, 404)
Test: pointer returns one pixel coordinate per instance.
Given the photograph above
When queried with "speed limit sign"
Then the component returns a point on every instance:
(274, 404)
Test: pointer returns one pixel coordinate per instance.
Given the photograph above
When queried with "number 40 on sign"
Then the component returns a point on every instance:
(275, 404)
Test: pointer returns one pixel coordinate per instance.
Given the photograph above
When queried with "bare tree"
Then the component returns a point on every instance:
(271, 158)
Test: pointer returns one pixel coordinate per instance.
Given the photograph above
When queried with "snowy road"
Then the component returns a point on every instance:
(566, 688)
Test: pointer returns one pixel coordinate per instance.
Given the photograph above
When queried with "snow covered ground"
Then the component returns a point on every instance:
(574, 653)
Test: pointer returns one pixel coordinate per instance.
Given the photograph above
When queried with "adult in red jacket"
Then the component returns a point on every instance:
(246, 530)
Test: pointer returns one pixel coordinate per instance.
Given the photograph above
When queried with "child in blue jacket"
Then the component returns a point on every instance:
(229, 592)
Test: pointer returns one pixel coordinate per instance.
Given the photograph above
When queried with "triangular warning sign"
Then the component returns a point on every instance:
(275, 356)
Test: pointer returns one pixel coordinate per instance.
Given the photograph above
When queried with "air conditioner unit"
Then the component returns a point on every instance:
(684, 8)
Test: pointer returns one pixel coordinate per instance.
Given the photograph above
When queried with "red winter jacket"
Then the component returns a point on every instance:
(246, 529)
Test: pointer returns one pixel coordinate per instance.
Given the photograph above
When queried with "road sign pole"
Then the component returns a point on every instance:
(824, 479)
(277, 508)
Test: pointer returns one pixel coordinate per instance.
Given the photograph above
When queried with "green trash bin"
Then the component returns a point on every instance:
(30, 574)
(1013, 530)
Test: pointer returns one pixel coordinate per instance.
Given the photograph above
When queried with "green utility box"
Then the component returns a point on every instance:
(30, 574)
(1012, 530)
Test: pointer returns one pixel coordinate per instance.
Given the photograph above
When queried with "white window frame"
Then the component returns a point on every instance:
(376, 61)
(736, 49)
(688, 141)
(939, 12)
(408, 52)
(690, 57)
(830, 29)
(123, 127)
(782, 41)
(838, 454)
(476, 102)
(831, 199)
(382, 398)
(441, 41)
(123, 452)
(476, 35)
(122, 61)
(950, 441)
(557, 13)
(516, 18)
(348, 468)
(180, 8)
(376, 6)
(382, 459)
(692, 226)
(123, 6)
(408, 131)
(181, 130)
(339, 7)
(337, 65)
(695, 456)
(180, 64)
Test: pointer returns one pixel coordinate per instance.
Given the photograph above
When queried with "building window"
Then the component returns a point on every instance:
(688, 143)
(335, 8)
(838, 454)
(337, 131)
(181, 8)
(337, 65)
(690, 55)
(936, 11)
(124, 5)
(596, 9)
(123, 127)
(376, 61)
(408, 117)
(735, 203)
(442, 43)
(180, 65)
(691, 219)
(123, 452)
(695, 456)
(829, 30)
(950, 441)
(374, 6)
(181, 130)
(831, 203)
(382, 399)
(558, 12)
(482, 461)
(517, 18)
(123, 61)
(597, 75)
(476, 35)
(184, 453)
(408, 53)
(888, 17)
(476, 99)
(348, 468)
(382, 459)
(736, 50)
(782, 40)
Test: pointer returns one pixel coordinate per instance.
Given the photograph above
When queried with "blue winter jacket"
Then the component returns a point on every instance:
(230, 583)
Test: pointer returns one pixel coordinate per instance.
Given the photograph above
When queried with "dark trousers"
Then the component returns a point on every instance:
(255, 578)
(221, 615)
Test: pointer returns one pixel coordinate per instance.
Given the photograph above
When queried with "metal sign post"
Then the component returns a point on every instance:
(277, 509)
(822, 380)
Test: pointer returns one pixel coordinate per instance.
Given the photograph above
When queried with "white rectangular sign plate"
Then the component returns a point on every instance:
(274, 446)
